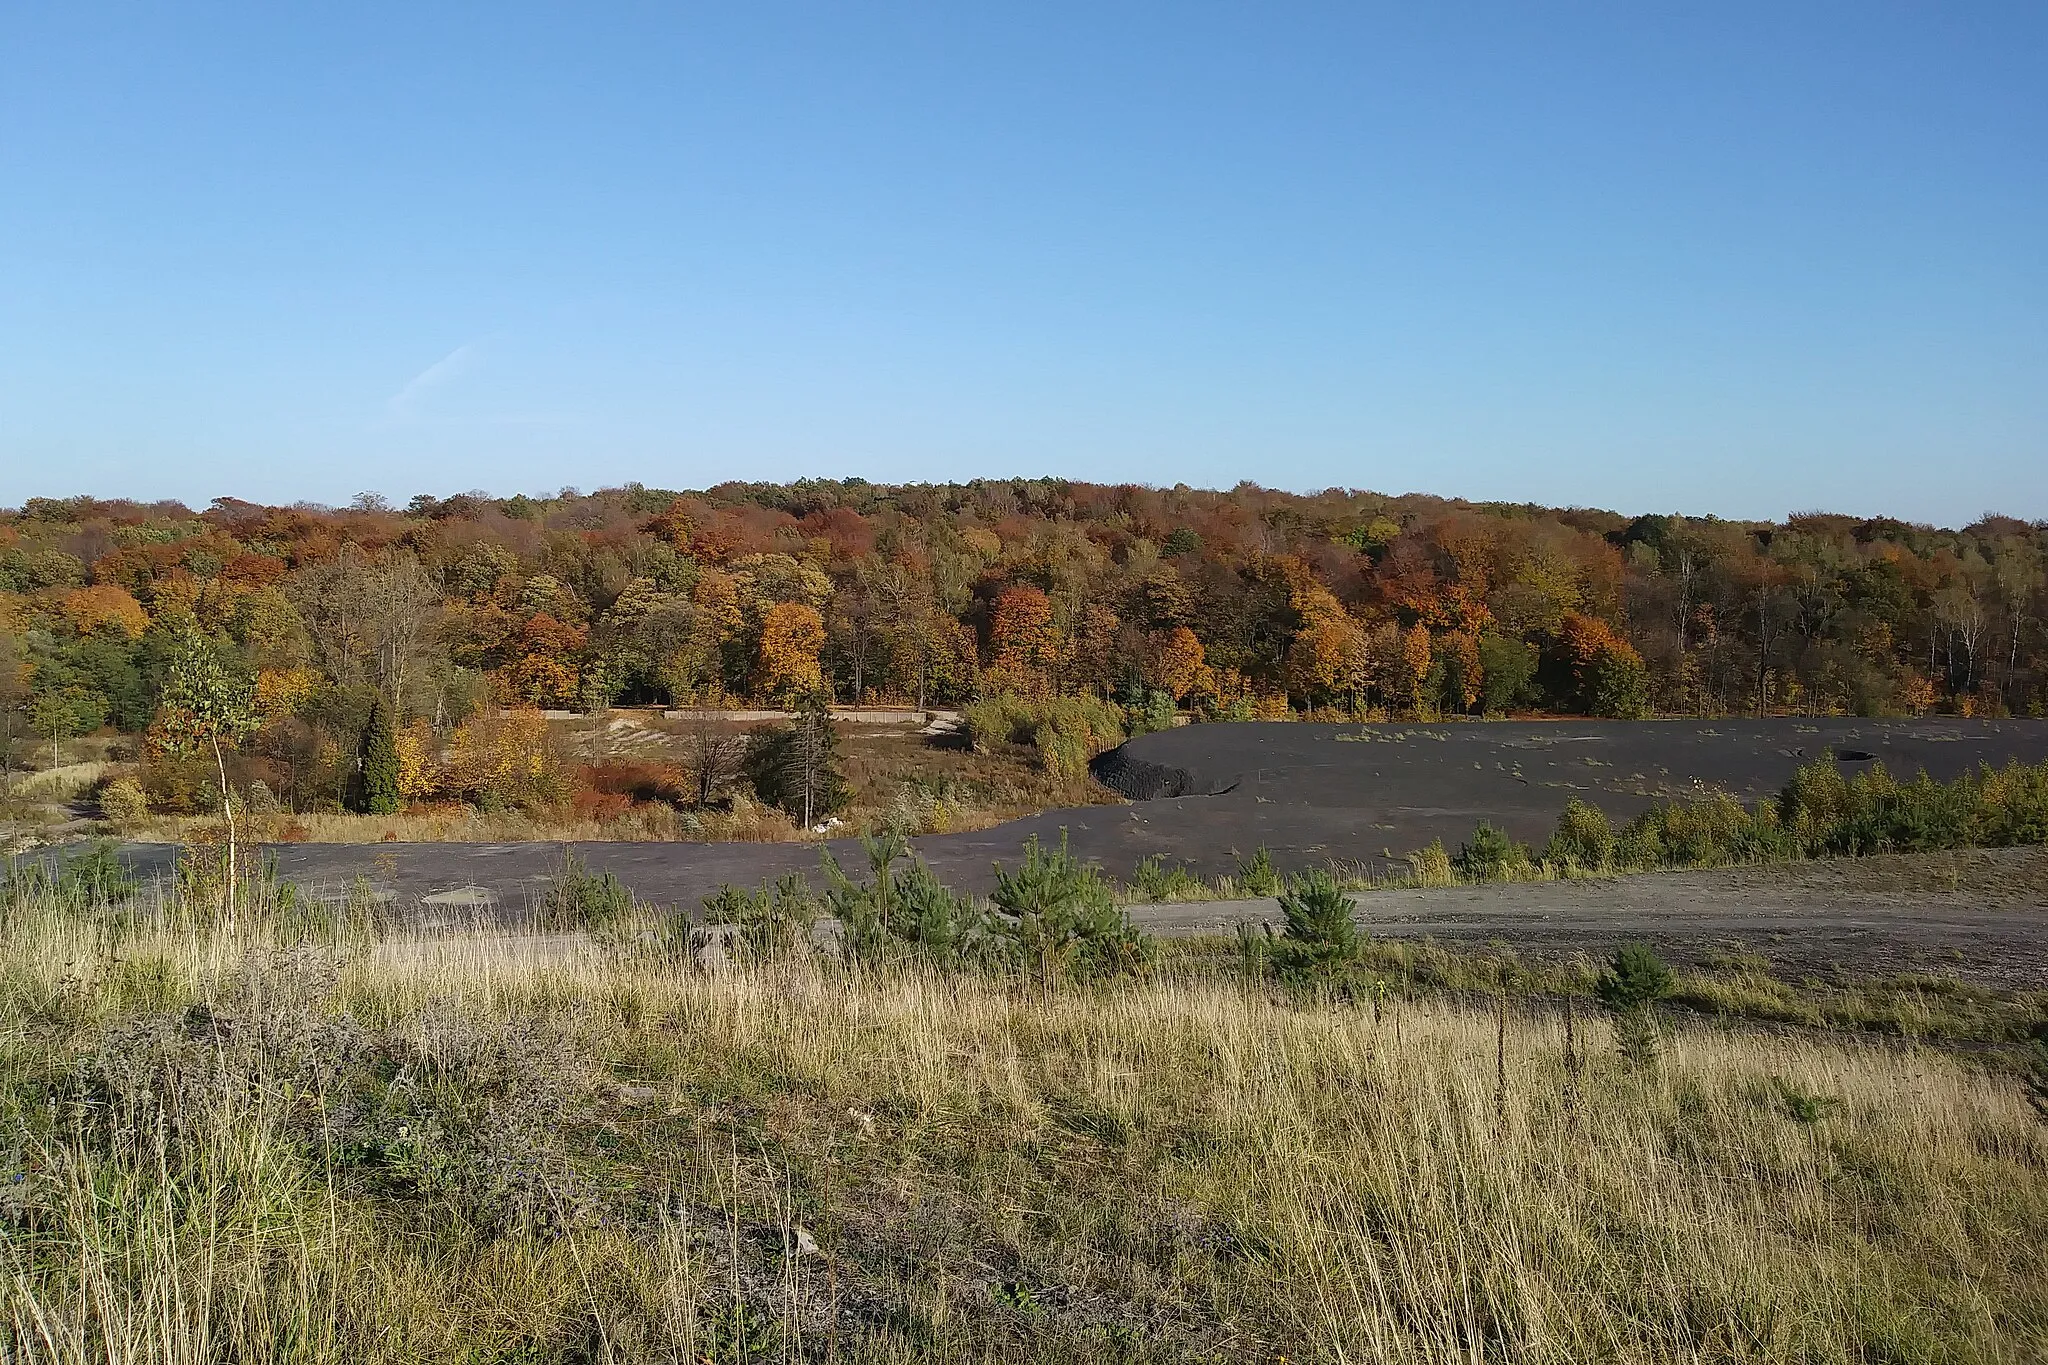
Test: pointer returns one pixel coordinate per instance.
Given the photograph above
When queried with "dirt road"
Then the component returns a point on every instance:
(1981, 915)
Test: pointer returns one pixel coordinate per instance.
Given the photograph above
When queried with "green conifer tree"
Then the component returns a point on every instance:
(380, 762)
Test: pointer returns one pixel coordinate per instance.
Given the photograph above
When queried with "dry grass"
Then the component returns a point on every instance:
(468, 1149)
(898, 780)
(925, 788)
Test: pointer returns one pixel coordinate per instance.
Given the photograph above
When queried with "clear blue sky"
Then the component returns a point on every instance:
(1759, 258)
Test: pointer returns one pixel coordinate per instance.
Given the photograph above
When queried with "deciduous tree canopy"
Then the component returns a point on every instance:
(1235, 604)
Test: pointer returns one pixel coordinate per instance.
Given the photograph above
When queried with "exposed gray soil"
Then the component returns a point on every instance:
(1366, 794)
(1369, 793)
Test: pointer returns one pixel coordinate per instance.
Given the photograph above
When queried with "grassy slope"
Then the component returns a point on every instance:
(439, 1150)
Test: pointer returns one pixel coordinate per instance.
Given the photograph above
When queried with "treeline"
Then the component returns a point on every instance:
(1230, 605)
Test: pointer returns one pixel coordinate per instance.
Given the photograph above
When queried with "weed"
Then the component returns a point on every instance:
(577, 898)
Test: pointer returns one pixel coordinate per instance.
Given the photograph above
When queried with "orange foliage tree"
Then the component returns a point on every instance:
(1415, 659)
(1024, 640)
(104, 605)
(1608, 672)
(546, 673)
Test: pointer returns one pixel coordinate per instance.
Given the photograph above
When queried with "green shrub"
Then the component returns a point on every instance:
(577, 898)
(907, 913)
(1001, 719)
(1823, 813)
(1152, 710)
(123, 802)
(1704, 833)
(88, 878)
(1431, 865)
(773, 920)
(1618, 685)
(1583, 839)
(1066, 731)
(1827, 813)
(1062, 750)
(1255, 875)
(1489, 856)
(1155, 881)
(1237, 708)
(1507, 668)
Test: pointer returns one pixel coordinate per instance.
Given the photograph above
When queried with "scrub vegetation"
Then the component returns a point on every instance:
(1820, 813)
(276, 1133)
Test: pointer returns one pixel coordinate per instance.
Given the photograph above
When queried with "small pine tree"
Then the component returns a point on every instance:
(1321, 938)
(380, 762)
(1635, 977)
(1635, 980)
(1058, 915)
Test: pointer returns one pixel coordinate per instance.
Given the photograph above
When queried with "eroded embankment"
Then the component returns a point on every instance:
(1141, 779)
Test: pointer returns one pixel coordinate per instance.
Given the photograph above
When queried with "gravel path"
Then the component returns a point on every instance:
(1981, 915)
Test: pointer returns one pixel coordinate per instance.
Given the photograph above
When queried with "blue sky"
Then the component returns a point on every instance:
(1744, 260)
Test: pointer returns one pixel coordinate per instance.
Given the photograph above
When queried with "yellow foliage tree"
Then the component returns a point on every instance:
(1181, 668)
(504, 759)
(419, 762)
(792, 633)
(1916, 694)
(282, 691)
(1325, 651)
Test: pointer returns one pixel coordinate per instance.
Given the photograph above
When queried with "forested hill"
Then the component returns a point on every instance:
(1232, 604)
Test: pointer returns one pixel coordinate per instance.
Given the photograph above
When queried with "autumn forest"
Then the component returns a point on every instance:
(453, 617)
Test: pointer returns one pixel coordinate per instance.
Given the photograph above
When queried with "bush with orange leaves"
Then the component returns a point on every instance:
(506, 759)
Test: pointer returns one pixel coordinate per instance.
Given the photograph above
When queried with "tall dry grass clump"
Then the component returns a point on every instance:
(226, 1146)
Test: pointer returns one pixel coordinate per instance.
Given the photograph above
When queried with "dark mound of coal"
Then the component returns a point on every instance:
(1143, 780)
